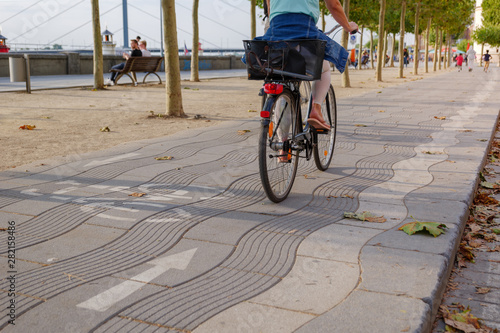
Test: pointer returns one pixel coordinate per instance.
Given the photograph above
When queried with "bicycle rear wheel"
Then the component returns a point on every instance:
(323, 151)
(277, 161)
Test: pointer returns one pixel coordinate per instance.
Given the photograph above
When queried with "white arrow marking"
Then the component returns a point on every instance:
(110, 160)
(60, 198)
(109, 217)
(144, 204)
(31, 192)
(108, 298)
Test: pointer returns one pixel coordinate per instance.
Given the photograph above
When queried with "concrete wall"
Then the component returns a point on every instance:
(75, 63)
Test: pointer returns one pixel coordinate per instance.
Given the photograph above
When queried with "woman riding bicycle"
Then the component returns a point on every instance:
(297, 20)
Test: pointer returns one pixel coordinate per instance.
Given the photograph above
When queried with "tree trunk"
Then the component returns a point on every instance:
(323, 21)
(385, 48)
(402, 39)
(450, 61)
(426, 60)
(371, 49)
(380, 57)
(392, 49)
(360, 52)
(440, 46)
(253, 4)
(195, 75)
(481, 57)
(346, 83)
(96, 28)
(172, 67)
(416, 54)
(436, 45)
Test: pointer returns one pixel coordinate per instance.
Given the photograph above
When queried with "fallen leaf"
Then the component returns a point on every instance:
(406, 329)
(45, 117)
(27, 127)
(3, 229)
(432, 152)
(105, 129)
(434, 228)
(365, 216)
(466, 252)
(475, 243)
(135, 194)
(440, 118)
(450, 161)
(252, 110)
(381, 111)
(347, 196)
(482, 290)
(163, 158)
(489, 185)
(293, 231)
(242, 132)
(496, 231)
(475, 228)
(485, 199)
(360, 125)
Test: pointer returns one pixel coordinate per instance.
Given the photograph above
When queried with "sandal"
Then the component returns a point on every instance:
(318, 124)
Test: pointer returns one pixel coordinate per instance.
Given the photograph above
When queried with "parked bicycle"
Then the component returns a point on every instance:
(285, 135)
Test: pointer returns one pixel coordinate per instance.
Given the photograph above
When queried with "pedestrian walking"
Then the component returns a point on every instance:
(471, 56)
(487, 58)
(460, 61)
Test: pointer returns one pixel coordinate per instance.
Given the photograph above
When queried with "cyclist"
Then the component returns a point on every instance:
(297, 20)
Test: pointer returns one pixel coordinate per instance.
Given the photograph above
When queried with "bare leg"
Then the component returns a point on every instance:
(319, 92)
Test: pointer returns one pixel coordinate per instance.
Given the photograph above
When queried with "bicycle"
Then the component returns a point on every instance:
(284, 133)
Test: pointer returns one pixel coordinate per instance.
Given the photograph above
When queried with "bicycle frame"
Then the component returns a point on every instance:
(304, 140)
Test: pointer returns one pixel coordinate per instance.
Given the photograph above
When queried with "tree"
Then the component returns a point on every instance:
(253, 19)
(195, 76)
(402, 38)
(96, 29)
(491, 12)
(172, 66)
(380, 56)
(488, 34)
(417, 40)
(345, 39)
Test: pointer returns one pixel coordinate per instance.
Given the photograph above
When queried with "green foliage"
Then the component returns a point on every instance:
(488, 34)
(57, 47)
(375, 43)
(462, 45)
(491, 12)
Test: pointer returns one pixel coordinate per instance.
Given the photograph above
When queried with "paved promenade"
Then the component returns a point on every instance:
(205, 251)
(68, 81)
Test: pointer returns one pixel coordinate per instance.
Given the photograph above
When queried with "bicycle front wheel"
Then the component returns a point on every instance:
(277, 161)
(323, 150)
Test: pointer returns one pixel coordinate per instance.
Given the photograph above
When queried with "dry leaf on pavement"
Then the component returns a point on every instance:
(27, 127)
(135, 194)
(434, 228)
(163, 158)
(365, 216)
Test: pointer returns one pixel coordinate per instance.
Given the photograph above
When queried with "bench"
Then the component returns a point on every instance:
(149, 65)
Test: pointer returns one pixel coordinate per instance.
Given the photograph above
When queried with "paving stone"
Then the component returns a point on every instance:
(227, 228)
(206, 256)
(478, 278)
(31, 207)
(84, 238)
(251, 317)
(336, 242)
(470, 292)
(313, 286)
(402, 272)
(67, 316)
(366, 311)
(117, 324)
(436, 210)
(444, 245)
(483, 310)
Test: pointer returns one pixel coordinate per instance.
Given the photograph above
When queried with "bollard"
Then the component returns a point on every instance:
(20, 71)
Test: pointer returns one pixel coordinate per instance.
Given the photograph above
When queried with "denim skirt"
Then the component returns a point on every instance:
(302, 26)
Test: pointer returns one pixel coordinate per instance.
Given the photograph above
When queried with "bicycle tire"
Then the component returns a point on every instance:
(323, 150)
(277, 176)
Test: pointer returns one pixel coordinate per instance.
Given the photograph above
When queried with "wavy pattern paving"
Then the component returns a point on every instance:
(66, 217)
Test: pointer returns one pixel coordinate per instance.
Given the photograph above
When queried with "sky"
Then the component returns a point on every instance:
(223, 23)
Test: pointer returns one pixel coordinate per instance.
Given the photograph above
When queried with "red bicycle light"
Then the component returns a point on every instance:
(273, 88)
(264, 114)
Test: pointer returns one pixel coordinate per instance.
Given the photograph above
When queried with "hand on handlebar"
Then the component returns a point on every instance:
(354, 28)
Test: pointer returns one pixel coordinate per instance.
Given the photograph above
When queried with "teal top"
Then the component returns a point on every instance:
(308, 7)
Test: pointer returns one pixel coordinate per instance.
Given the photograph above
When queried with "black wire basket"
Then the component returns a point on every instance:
(284, 60)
